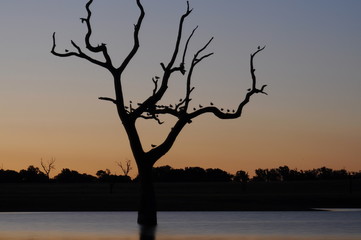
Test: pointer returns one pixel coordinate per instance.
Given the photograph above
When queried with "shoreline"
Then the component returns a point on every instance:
(258, 196)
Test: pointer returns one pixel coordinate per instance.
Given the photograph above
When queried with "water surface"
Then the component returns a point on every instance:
(333, 225)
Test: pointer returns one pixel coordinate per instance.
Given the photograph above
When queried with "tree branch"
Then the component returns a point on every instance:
(194, 62)
(155, 117)
(66, 54)
(179, 111)
(79, 54)
(254, 80)
(100, 48)
(155, 81)
(108, 99)
(179, 36)
(154, 154)
(135, 37)
(182, 65)
(168, 70)
(236, 113)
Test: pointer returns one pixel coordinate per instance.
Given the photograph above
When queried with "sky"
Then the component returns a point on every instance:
(310, 118)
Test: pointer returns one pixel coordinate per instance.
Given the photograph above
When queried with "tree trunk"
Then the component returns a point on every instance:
(147, 213)
(147, 232)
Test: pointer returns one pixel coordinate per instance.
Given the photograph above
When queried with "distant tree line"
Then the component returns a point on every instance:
(34, 174)
(285, 174)
(168, 174)
(190, 174)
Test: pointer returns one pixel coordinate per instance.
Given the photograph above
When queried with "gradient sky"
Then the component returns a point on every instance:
(312, 65)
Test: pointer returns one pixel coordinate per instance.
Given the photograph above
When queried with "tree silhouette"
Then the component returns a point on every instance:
(71, 176)
(125, 168)
(150, 107)
(241, 176)
(9, 176)
(106, 176)
(48, 166)
(32, 174)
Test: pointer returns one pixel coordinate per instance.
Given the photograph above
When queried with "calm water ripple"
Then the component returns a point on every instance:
(182, 225)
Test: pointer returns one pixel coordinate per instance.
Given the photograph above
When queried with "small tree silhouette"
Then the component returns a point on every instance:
(48, 166)
(125, 168)
(150, 107)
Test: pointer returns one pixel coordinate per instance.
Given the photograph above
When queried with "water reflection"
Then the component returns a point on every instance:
(147, 232)
(313, 225)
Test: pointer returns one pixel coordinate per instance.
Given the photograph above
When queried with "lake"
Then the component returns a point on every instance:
(316, 225)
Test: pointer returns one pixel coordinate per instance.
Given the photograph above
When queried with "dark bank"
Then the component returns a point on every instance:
(203, 196)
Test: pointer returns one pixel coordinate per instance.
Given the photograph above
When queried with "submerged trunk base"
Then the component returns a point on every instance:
(147, 218)
(147, 232)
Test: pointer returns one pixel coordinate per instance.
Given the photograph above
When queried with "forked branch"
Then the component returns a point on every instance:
(125, 168)
(235, 113)
(151, 101)
(179, 37)
(79, 54)
(95, 49)
(254, 79)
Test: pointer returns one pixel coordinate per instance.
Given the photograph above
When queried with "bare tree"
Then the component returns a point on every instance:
(125, 168)
(150, 107)
(48, 166)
